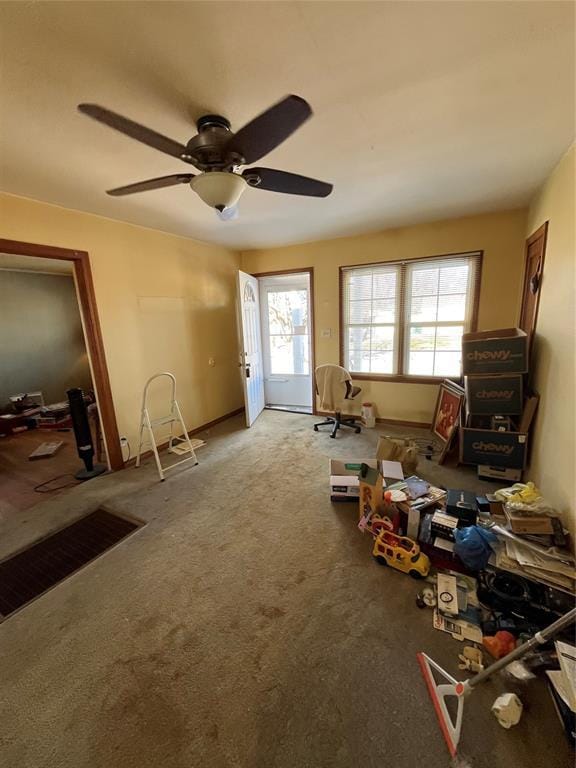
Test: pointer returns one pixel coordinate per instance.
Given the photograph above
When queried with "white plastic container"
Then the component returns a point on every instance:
(368, 415)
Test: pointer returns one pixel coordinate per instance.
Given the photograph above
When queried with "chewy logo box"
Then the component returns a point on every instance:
(494, 395)
(497, 449)
(489, 352)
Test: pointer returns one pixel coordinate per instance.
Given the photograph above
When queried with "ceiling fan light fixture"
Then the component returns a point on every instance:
(219, 189)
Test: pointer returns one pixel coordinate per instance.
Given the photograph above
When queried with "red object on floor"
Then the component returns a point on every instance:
(500, 644)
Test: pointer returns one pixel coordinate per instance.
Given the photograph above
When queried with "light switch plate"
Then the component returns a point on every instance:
(326, 333)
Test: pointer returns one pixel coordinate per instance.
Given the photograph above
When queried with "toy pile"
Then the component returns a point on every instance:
(497, 567)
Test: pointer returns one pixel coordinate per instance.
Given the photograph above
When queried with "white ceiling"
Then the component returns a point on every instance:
(423, 110)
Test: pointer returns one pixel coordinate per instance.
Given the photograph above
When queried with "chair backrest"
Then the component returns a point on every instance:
(332, 385)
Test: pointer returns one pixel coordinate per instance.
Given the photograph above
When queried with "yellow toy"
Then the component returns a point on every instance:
(401, 553)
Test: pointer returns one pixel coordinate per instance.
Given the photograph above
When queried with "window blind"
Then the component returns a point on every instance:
(370, 299)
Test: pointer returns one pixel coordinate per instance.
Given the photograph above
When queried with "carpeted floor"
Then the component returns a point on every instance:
(245, 626)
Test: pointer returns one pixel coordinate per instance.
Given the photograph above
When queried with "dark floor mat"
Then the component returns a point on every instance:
(35, 570)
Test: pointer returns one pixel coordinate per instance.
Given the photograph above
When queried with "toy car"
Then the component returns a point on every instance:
(401, 553)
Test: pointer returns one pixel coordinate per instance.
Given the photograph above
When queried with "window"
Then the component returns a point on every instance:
(407, 318)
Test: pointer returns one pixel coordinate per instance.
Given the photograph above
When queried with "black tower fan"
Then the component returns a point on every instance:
(83, 436)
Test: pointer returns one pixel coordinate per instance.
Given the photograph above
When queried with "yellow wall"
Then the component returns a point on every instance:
(500, 235)
(164, 302)
(553, 463)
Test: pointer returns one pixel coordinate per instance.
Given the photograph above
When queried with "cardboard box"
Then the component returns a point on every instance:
(498, 449)
(529, 523)
(344, 483)
(444, 525)
(486, 472)
(463, 506)
(371, 492)
(495, 506)
(494, 352)
(494, 394)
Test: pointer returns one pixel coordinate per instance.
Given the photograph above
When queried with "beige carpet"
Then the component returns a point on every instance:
(245, 626)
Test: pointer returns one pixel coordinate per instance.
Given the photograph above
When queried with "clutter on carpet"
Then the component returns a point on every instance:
(498, 567)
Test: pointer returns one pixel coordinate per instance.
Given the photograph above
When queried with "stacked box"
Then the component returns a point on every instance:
(486, 353)
(495, 430)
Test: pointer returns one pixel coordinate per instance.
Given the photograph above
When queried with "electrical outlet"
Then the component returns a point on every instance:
(123, 441)
(326, 333)
(211, 362)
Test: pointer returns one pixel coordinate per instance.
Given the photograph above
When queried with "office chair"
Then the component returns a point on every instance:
(333, 386)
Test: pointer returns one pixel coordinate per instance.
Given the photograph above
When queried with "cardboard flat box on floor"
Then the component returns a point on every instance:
(486, 472)
(344, 483)
(504, 350)
(486, 395)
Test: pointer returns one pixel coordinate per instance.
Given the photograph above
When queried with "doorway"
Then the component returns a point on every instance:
(43, 356)
(80, 337)
(285, 320)
(276, 341)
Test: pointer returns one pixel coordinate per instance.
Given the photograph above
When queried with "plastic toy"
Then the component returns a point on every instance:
(471, 659)
(500, 645)
(426, 598)
(507, 709)
(401, 553)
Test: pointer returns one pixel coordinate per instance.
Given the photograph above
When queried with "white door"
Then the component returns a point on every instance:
(286, 343)
(250, 346)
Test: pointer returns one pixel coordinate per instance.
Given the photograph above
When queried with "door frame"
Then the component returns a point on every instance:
(87, 302)
(310, 272)
(541, 232)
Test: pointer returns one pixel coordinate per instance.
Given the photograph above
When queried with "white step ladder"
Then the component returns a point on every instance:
(177, 445)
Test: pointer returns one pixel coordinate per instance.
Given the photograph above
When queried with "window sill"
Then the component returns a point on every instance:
(402, 378)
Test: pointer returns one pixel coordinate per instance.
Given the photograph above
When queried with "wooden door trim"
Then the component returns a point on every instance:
(310, 272)
(541, 232)
(95, 344)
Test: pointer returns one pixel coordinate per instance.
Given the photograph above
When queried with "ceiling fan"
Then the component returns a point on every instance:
(218, 153)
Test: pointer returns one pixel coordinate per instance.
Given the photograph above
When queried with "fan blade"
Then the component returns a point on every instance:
(289, 183)
(269, 129)
(134, 130)
(144, 186)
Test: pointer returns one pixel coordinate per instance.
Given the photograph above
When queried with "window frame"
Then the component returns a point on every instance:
(402, 325)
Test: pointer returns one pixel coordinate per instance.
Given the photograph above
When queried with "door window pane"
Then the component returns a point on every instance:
(288, 311)
(289, 354)
(288, 332)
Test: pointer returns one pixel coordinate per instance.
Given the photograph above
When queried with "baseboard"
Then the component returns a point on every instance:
(392, 422)
(213, 423)
(402, 423)
(191, 433)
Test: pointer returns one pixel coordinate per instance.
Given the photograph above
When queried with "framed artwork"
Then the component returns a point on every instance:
(447, 411)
